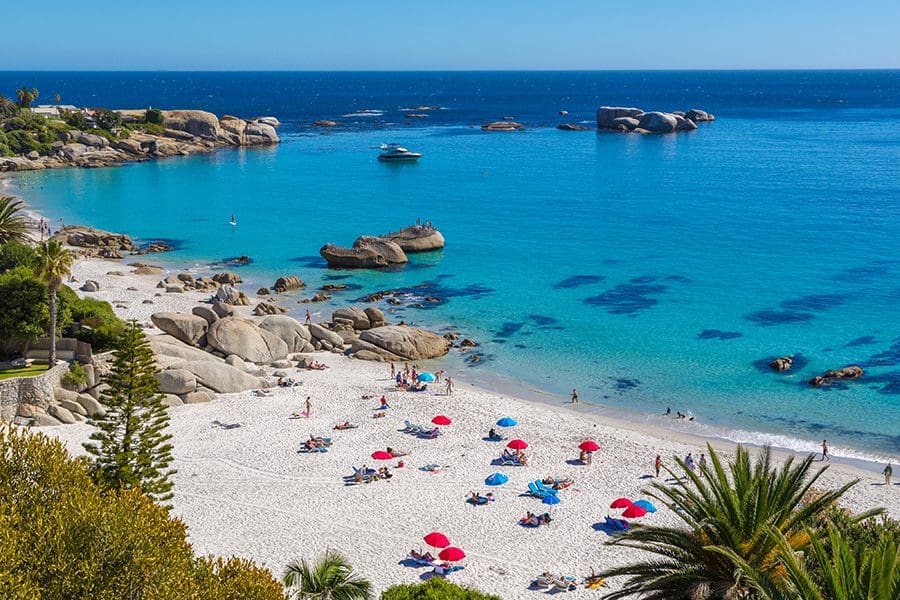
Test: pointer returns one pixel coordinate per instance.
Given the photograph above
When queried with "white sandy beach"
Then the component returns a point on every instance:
(247, 491)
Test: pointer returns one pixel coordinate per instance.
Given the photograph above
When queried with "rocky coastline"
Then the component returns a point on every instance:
(183, 132)
(636, 120)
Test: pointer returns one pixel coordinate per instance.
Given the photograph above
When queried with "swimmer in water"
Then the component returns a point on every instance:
(233, 220)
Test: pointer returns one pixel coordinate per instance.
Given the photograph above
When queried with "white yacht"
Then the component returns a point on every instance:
(397, 153)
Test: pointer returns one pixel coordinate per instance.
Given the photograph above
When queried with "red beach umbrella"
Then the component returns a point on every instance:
(621, 503)
(381, 455)
(436, 540)
(452, 554)
(634, 511)
(517, 445)
(441, 420)
(589, 446)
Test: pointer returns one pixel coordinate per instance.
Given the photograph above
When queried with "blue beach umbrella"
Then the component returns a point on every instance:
(426, 376)
(496, 479)
(550, 500)
(646, 505)
(507, 422)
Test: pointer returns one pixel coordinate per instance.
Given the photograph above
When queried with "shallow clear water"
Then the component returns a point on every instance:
(645, 271)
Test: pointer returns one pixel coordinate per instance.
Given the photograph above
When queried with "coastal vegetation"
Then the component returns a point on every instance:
(12, 220)
(62, 536)
(130, 446)
(331, 577)
(434, 588)
(745, 524)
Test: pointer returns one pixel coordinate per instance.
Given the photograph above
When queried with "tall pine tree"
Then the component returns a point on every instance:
(131, 447)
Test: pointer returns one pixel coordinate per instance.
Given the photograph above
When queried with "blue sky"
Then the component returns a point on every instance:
(448, 34)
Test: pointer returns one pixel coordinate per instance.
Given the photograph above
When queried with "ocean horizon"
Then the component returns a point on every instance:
(648, 272)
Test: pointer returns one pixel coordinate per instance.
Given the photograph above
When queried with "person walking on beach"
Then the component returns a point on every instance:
(308, 317)
(393, 371)
(308, 407)
(702, 463)
(689, 462)
(825, 450)
(888, 471)
(574, 396)
(657, 464)
(449, 386)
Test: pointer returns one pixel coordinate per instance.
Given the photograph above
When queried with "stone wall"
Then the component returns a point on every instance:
(29, 390)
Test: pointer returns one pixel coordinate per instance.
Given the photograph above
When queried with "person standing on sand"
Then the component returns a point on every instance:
(888, 471)
(689, 462)
(393, 371)
(308, 317)
(574, 396)
(657, 464)
(449, 386)
(702, 463)
(825, 450)
(308, 407)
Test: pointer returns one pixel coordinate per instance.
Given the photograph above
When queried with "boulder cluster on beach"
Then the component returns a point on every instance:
(371, 252)
(185, 132)
(636, 120)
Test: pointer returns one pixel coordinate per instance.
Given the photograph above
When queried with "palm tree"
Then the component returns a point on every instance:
(330, 578)
(12, 220)
(738, 522)
(54, 263)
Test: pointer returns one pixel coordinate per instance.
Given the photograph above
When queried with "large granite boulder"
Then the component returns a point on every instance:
(94, 239)
(171, 352)
(195, 122)
(502, 126)
(399, 342)
(683, 123)
(851, 372)
(94, 141)
(187, 328)
(205, 312)
(357, 317)
(658, 122)
(417, 238)
(176, 381)
(294, 334)
(697, 115)
(285, 284)
(244, 338)
(321, 334)
(375, 316)
(367, 253)
(260, 134)
(627, 122)
(222, 378)
(607, 115)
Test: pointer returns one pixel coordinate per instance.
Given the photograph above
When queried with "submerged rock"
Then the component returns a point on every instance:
(502, 126)
(783, 363)
(829, 377)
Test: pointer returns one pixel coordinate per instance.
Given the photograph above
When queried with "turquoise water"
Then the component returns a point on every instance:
(648, 272)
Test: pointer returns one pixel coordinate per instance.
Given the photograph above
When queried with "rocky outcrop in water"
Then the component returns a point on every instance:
(367, 253)
(783, 363)
(502, 126)
(417, 238)
(95, 241)
(619, 118)
(829, 377)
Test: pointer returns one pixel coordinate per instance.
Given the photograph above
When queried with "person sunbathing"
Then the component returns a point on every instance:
(545, 519)
(262, 393)
(383, 473)
(557, 484)
(478, 500)
(544, 580)
(346, 425)
(530, 519)
(396, 453)
(426, 557)
(379, 415)
(493, 435)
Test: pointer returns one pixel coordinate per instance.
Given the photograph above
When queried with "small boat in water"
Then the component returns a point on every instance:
(397, 153)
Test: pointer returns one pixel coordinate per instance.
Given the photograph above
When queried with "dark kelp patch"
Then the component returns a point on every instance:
(769, 317)
(718, 334)
(628, 298)
(578, 281)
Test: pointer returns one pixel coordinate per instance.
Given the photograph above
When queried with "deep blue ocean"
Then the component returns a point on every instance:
(646, 271)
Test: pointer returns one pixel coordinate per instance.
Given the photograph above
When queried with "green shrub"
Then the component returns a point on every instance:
(75, 377)
(63, 537)
(153, 116)
(26, 313)
(14, 254)
(434, 589)
(92, 321)
(107, 119)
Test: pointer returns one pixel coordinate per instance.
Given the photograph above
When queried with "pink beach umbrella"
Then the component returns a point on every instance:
(436, 540)
(441, 420)
(381, 455)
(634, 511)
(589, 446)
(517, 445)
(621, 503)
(452, 554)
